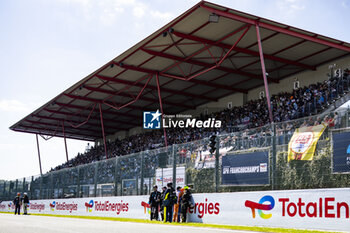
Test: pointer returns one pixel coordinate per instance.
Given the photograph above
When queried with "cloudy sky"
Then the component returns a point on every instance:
(47, 46)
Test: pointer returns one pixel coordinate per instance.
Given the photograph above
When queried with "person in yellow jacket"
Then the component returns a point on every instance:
(162, 196)
(168, 203)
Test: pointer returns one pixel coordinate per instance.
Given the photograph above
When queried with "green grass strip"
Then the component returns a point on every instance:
(246, 228)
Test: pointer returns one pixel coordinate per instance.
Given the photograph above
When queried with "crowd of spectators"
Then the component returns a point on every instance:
(286, 106)
(262, 136)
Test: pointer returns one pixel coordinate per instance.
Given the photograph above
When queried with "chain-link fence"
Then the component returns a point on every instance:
(192, 164)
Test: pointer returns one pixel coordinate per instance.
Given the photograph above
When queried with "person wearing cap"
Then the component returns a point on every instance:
(25, 202)
(17, 204)
(154, 202)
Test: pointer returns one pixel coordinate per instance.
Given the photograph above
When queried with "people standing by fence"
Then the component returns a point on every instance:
(25, 203)
(162, 203)
(154, 202)
(177, 205)
(185, 203)
(169, 201)
(17, 203)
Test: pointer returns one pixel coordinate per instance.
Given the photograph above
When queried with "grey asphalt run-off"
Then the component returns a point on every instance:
(10, 223)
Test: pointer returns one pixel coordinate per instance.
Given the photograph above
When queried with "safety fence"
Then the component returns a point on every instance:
(249, 160)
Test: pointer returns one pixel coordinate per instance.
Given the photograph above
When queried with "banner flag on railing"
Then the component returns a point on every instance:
(303, 143)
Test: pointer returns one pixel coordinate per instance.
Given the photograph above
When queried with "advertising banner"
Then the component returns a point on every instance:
(303, 143)
(123, 206)
(246, 169)
(323, 209)
(341, 152)
(165, 175)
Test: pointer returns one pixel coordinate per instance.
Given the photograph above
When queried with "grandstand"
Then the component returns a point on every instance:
(290, 106)
(261, 78)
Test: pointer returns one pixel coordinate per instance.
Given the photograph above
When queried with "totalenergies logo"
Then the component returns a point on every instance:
(203, 208)
(89, 206)
(52, 206)
(261, 206)
(146, 207)
(10, 205)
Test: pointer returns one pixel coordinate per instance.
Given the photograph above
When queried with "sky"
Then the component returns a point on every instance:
(47, 46)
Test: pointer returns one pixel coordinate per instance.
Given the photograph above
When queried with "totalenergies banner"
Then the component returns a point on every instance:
(303, 143)
(126, 206)
(323, 209)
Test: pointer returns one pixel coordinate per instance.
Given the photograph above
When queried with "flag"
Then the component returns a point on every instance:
(303, 143)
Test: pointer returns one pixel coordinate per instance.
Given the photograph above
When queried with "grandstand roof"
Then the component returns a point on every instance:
(197, 61)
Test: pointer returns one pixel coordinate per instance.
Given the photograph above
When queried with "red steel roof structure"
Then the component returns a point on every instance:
(208, 52)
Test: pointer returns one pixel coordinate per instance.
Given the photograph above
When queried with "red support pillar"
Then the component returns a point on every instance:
(264, 71)
(103, 131)
(65, 141)
(37, 144)
(161, 109)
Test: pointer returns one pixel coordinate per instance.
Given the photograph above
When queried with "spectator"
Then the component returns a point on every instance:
(177, 205)
(154, 202)
(162, 214)
(168, 202)
(17, 203)
(337, 120)
(185, 203)
(25, 203)
(301, 102)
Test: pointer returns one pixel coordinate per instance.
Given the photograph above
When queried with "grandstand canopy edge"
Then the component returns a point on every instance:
(207, 53)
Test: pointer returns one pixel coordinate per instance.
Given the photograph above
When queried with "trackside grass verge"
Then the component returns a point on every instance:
(247, 228)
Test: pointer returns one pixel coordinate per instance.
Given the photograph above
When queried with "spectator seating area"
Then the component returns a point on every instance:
(286, 106)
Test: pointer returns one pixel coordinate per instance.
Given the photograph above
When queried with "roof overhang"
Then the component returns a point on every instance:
(197, 61)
